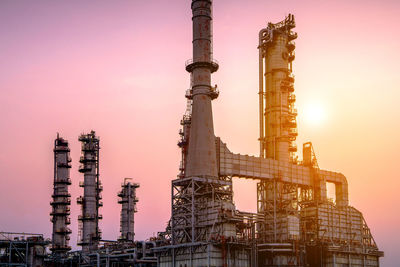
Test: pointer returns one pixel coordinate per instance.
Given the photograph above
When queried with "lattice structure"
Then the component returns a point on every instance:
(61, 198)
(89, 233)
(201, 209)
(22, 249)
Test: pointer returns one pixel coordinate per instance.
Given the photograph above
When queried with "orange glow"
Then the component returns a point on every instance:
(71, 66)
(315, 114)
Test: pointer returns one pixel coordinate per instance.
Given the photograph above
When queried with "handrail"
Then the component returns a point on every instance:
(190, 61)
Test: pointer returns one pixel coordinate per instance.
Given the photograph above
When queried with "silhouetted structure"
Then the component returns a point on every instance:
(128, 202)
(61, 198)
(89, 231)
(295, 223)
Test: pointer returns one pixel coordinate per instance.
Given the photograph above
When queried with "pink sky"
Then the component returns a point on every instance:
(118, 68)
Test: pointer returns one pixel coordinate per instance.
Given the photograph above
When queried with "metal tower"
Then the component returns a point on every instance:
(277, 200)
(278, 127)
(61, 197)
(295, 224)
(89, 233)
(200, 183)
(202, 200)
(128, 202)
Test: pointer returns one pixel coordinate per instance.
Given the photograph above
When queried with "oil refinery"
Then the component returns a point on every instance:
(295, 223)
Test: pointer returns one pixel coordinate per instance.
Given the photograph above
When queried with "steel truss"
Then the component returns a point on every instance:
(200, 208)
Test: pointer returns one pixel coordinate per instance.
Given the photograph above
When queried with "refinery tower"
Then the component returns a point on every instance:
(295, 223)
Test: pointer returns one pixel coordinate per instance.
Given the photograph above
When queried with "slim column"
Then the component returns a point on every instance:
(61, 198)
(201, 159)
(89, 232)
(278, 126)
(128, 202)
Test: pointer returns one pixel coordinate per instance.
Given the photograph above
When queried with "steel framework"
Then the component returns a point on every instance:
(22, 249)
(295, 224)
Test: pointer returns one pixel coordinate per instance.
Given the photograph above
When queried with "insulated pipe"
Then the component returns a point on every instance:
(261, 91)
(341, 190)
(201, 160)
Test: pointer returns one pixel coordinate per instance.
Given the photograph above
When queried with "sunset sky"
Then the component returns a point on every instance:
(117, 67)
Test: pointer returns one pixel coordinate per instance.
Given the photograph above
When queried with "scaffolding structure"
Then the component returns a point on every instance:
(89, 233)
(22, 249)
(61, 198)
(128, 200)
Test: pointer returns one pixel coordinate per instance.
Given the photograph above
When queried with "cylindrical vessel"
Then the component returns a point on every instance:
(61, 198)
(89, 232)
(128, 202)
(278, 127)
(201, 160)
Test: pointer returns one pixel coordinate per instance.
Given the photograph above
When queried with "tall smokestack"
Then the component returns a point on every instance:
(201, 159)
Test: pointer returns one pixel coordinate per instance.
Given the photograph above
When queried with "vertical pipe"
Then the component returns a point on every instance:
(26, 254)
(10, 252)
(130, 231)
(97, 193)
(172, 215)
(208, 255)
(274, 209)
(173, 257)
(261, 93)
(193, 218)
(191, 256)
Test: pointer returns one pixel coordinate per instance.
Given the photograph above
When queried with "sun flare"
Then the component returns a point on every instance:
(315, 113)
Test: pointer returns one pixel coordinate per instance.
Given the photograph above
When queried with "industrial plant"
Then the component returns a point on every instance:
(296, 224)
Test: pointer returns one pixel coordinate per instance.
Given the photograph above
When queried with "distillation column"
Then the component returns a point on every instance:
(61, 198)
(277, 200)
(128, 202)
(278, 127)
(89, 232)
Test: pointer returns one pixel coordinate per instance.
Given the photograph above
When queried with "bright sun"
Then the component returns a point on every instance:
(315, 113)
